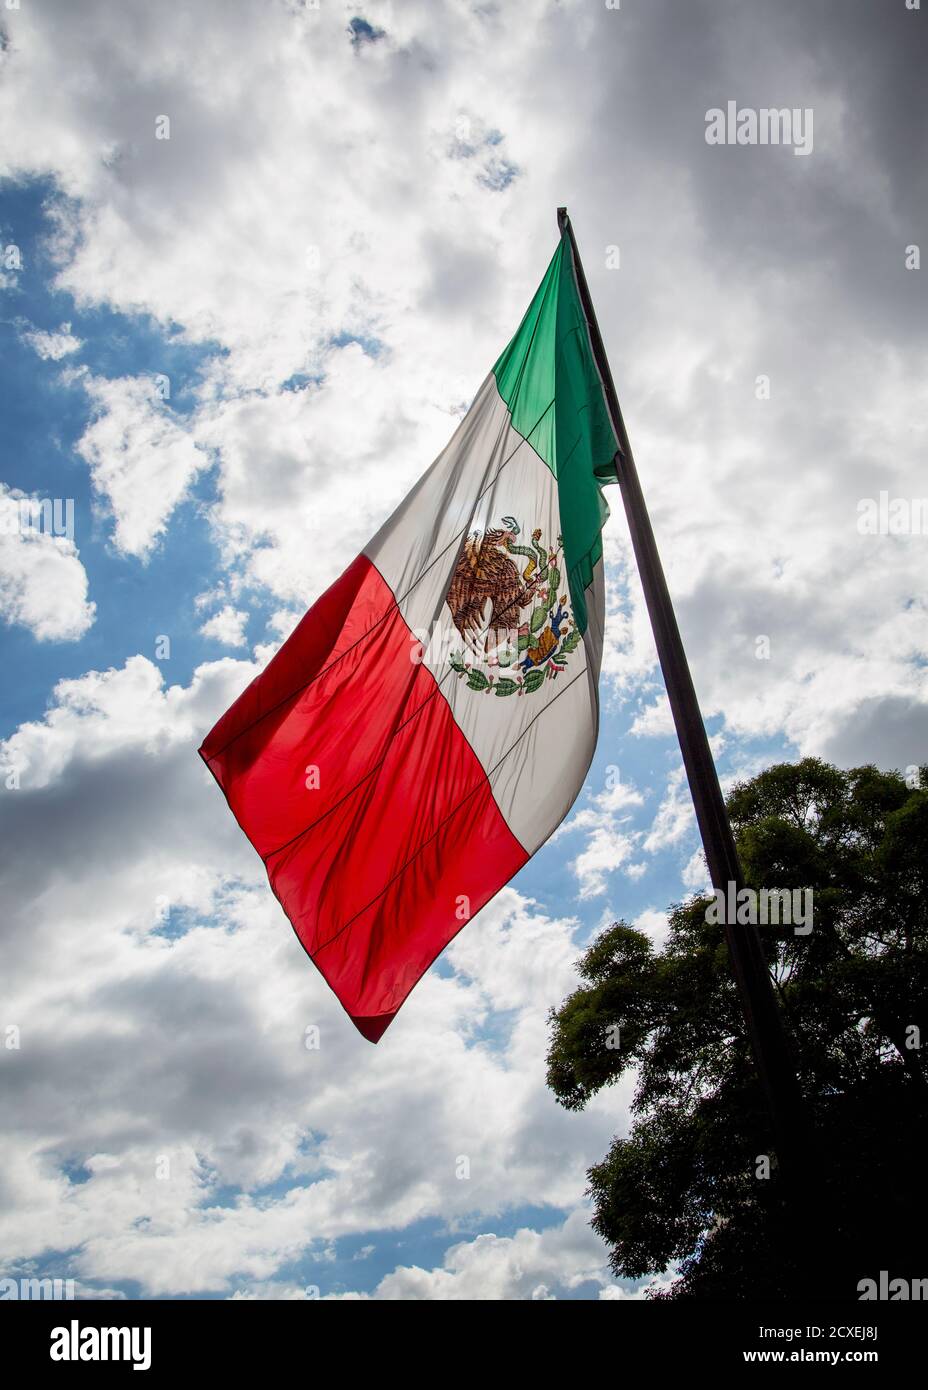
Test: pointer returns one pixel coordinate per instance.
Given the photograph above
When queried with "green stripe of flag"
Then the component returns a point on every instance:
(548, 379)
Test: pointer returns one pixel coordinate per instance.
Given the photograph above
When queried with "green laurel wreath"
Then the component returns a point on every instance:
(532, 679)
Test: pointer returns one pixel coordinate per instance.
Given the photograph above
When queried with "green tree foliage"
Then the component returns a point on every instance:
(686, 1187)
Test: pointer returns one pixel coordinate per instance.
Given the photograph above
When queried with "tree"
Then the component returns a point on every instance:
(695, 1183)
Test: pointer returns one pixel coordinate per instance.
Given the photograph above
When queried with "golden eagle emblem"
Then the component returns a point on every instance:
(490, 592)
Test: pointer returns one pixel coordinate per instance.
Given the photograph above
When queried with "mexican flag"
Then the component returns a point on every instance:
(431, 720)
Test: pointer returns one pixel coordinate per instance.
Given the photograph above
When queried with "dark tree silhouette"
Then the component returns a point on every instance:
(682, 1189)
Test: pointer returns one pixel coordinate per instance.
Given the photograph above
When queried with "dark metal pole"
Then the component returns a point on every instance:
(762, 1014)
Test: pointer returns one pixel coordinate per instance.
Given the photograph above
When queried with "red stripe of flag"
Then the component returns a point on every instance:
(344, 767)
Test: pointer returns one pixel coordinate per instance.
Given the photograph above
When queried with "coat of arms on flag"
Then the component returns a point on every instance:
(510, 617)
(440, 774)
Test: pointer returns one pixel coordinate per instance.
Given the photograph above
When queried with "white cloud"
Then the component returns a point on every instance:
(43, 585)
(142, 460)
(607, 846)
(528, 1265)
(606, 849)
(654, 924)
(55, 345)
(696, 875)
(655, 720)
(675, 818)
(617, 795)
(282, 623)
(227, 626)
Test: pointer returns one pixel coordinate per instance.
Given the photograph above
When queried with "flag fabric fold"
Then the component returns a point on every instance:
(431, 720)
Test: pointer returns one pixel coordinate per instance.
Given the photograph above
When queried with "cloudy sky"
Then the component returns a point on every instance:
(232, 351)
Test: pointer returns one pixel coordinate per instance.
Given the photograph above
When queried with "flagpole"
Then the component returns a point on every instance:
(761, 1012)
